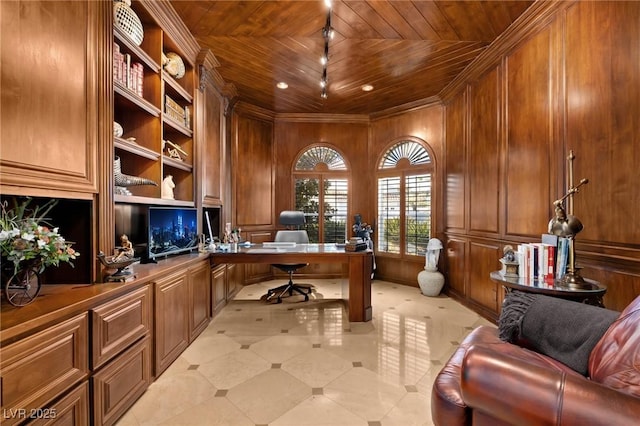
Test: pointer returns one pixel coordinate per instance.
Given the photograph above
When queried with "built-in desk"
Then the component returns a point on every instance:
(357, 293)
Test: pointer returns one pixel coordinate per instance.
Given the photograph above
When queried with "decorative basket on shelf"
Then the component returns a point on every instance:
(173, 64)
(126, 19)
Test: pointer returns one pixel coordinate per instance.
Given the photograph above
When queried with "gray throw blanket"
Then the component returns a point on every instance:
(565, 330)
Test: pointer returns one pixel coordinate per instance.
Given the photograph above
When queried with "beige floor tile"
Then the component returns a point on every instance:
(212, 412)
(319, 410)
(316, 367)
(233, 368)
(304, 364)
(268, 395)
(364, 392)
(277, 349)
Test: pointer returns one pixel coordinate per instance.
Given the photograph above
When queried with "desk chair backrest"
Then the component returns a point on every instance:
(293, 220)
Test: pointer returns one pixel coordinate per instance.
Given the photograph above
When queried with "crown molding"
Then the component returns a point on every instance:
(532, 21)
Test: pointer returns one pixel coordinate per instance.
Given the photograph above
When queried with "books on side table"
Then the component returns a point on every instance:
(355, 244)
(546, 260)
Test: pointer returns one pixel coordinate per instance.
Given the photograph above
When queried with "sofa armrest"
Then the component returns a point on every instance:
(519, 392)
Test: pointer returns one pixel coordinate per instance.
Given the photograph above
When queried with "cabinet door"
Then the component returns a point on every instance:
(218, 285)
(171, 319)
(119, 323)
(71, 410)
(234, 280)
(52, 62)
(211, 139)
(118, 385)
(40, 368)
(199, 299)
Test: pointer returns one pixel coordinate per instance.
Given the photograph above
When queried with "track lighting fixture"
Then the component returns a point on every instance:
(327, 34)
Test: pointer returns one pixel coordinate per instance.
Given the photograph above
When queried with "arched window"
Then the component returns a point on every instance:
(322, 193)
(404, 178)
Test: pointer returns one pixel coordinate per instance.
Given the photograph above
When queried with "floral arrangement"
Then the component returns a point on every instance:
(26, 237)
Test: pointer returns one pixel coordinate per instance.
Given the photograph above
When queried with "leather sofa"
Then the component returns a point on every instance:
(490, 381)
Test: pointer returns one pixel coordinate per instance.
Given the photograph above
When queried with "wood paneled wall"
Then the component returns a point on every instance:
(426, 123)
(348, 135)
(568, 79)
(573, 85)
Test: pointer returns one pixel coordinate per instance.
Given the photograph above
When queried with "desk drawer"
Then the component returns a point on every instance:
(72, 409)
(39, 368)
(121, 382)
(118, 324)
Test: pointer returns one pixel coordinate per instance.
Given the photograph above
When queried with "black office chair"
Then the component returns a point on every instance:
(293, 220)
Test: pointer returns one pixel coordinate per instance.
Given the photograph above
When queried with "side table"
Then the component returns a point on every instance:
(591, 296)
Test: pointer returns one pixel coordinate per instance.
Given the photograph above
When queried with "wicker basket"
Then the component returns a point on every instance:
(126, 19)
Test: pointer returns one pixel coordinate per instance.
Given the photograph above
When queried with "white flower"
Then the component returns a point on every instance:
(27, 236)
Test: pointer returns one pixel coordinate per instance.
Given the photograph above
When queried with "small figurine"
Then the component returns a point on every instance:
(509, 262)
(125, 256)
(167, 188)
(125, 251)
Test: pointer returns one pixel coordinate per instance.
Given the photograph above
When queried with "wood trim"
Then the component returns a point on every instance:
(534, 19)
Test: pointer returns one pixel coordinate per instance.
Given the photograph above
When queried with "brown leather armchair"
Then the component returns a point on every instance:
(489, 381)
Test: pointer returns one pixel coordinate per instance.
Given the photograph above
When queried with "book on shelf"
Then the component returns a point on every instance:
(129, 74)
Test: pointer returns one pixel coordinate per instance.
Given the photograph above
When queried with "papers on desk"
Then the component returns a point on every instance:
(281, 244)
(267, 250)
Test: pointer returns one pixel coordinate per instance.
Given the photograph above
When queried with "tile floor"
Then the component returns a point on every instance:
(303, 364)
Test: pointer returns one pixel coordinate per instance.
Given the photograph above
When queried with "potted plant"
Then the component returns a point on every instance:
(28, 245)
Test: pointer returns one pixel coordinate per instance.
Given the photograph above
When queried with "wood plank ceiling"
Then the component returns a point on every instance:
(409, 51)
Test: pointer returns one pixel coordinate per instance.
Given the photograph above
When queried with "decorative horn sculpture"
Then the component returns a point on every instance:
(122, 181)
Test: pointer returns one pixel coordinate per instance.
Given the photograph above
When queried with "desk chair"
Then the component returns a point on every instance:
(293, 220)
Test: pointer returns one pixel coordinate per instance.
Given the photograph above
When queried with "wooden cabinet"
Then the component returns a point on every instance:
(118, 324)
(155, 109)
(121, 382)
(234, 280)
(42, 367)
(121, 353)
(72, 409)
(171, 319)
(218, 287)
(211, 130)
(199, 299)
(52, 58)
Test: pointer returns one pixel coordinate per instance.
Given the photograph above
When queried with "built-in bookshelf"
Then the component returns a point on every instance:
(155, 111)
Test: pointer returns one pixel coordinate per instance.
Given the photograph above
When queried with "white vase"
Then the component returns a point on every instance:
(431, 282)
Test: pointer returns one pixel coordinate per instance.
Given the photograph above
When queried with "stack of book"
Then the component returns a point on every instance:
(178, 113)
(355, 244)
(129, 75)
(546, 260)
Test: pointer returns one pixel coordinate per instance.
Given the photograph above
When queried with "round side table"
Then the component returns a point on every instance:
(591, 296)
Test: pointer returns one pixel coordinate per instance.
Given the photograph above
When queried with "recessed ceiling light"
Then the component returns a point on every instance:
(282, 85)
(367, 88)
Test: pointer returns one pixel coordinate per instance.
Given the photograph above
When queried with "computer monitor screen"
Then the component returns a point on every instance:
(172, 230)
